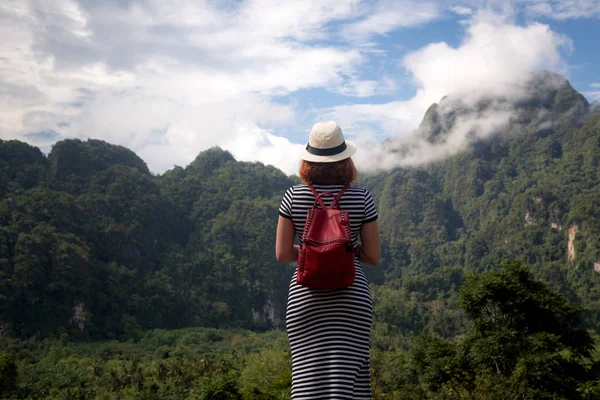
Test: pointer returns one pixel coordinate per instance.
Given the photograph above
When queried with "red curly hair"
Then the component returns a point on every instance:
(334, 172)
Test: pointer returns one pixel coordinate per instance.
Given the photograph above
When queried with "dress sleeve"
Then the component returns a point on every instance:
(370, 210)
(285, 209)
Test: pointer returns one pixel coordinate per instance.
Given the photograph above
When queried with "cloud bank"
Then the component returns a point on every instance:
(481, 67)
(170, 80)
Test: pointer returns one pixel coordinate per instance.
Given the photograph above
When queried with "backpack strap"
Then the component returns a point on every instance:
(317, 196)
(336, 199)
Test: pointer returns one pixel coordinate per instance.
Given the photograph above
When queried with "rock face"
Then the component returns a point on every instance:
(266, 315)
(597, 267)
(571, 247)
(529, 219)
(78, 318)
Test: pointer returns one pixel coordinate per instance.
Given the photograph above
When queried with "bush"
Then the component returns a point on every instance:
(8, 373)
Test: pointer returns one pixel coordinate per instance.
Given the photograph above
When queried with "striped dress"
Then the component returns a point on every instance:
(329, 329)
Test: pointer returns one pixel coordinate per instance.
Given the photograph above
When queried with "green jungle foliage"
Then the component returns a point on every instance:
(192, 363)
(97, 251)
(108, 247)
(524, 341)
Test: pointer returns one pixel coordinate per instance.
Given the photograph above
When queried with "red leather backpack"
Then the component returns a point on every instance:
(326, 258)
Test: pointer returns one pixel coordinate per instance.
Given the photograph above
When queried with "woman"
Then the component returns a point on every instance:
(329, 329)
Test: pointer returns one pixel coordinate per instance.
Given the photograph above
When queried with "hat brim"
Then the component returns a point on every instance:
(349, 152)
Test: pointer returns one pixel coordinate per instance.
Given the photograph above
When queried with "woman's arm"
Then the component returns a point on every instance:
(285, 251)
(370, 250)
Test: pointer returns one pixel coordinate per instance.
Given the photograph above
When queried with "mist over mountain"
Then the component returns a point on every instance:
(546, 100)
(93, 244)
(539, 102)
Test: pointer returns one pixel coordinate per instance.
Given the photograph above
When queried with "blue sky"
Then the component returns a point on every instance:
(170, 79)
(584, 60)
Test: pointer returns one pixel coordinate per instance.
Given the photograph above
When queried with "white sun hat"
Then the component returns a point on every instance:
(326, 144)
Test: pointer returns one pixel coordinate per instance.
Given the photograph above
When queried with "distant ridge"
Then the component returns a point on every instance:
(546, 96)
(93, 244)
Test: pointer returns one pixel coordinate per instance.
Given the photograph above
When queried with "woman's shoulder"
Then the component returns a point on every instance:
(303, 187)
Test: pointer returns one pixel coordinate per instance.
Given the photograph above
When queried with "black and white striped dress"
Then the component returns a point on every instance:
(329, 329)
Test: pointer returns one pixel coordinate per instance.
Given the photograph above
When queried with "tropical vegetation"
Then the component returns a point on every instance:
(119, 283)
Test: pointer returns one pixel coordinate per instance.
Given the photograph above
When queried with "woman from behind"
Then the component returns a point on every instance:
(329, 329)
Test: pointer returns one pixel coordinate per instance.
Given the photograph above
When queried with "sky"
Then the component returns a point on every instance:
(169, 79)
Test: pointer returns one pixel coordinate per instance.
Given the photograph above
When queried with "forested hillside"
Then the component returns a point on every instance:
(94, 246)
(530, 194)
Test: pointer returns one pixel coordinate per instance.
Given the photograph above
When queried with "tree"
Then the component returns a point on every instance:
(267, 375)
(8, 373)
(525, 341)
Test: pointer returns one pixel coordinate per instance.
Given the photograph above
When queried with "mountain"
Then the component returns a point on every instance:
(94, 245)
(21, 166)
(543, 101)
(73, 162)
(529, 192)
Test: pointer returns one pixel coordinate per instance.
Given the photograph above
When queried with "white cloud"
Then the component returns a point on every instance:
(171, 81)
(367, 88)
(461, 10)
(485, 60)
(254, 143)
(389, 15)
(359, 88)
(412, 150)
(532, 9)
(482, 66)
(563, 9)
(391, 118)
(593, 95)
